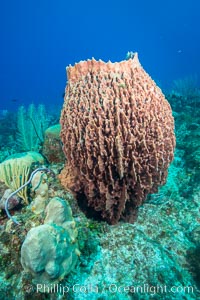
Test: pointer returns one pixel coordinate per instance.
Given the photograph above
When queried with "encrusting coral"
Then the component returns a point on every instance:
(39, 189)
(117, 131)
(50, 251)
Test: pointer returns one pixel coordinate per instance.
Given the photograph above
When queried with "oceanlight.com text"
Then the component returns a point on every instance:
(114, 289)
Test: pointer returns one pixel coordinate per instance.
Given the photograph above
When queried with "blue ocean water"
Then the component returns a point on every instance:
(40, 38)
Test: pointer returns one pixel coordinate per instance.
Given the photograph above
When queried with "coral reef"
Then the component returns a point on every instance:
(118, 136)
(185, 95)
(54, 227)
(13, 201)
(53, 257)
(15, 169)
(125, 261)
(186, 87)
(52, 146)
(36, 121)
(154, 254)
(7, 130)
(161, 249)
(39, 192)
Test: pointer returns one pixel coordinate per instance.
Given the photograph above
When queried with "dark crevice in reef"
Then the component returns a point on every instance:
(87, 210)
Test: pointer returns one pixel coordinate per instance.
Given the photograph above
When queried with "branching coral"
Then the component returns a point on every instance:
(118, 135)
(13, 175)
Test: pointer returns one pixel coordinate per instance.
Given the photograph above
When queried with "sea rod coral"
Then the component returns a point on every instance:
(118, 137)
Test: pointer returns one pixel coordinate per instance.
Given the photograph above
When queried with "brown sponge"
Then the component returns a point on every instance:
(118, 137)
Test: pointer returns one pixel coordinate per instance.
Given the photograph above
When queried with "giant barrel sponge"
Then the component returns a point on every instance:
(118, 137)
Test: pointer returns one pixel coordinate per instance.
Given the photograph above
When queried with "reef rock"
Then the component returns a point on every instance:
(13, 201)
(52, 147)
(50, 250)
(118, 137)
(39, 190)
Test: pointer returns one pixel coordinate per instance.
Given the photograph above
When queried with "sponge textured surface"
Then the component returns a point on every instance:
(118, 135)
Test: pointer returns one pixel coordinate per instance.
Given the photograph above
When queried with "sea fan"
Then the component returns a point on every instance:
(31, 124)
